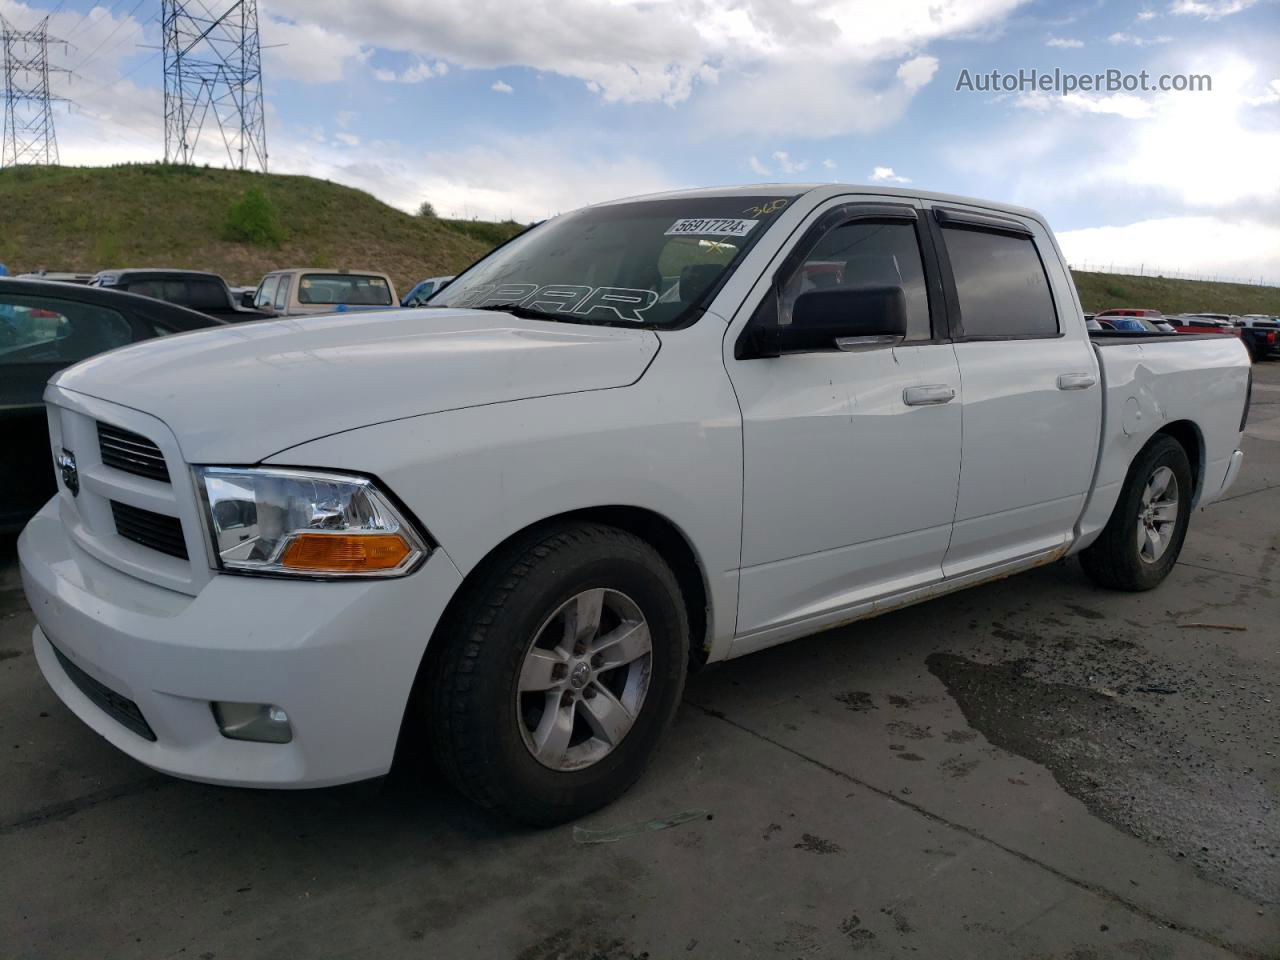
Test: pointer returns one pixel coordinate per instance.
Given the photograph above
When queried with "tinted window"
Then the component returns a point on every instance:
(266, 292)
(865, 253)
(172, 291)
(206, 295)
(1001, 284)
(343, 288)
(38, 330)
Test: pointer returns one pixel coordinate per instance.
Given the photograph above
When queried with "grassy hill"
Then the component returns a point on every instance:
(1098, 291)
(91, 218)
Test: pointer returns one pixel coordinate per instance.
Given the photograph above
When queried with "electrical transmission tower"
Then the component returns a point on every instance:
(213, 78)
(28, 105)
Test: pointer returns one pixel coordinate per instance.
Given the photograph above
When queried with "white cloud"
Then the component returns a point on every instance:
(1206, 245)
(886, 175)
(1145, 15)
(780, 162)
(307, 52)
(1065, 43)
(784, 100)
(422, 70)
(917, 71)
(1133, 40)
(1210, 9)
(1125, 105)
(828, 164)
(786, 165)
(1194, 158)
(1272, 95)
(527, 178)
(634, 50)
(349, 139)
(500, 87)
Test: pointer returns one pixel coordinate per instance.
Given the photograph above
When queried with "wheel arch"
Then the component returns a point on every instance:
(1189, 436)
(658, 531)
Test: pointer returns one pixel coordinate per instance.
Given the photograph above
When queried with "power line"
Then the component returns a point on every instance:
(127, 17)
(29, 136)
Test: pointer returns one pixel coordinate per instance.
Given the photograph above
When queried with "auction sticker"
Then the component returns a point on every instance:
(711, 227)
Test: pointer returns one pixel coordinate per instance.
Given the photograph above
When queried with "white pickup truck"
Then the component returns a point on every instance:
(645, 435)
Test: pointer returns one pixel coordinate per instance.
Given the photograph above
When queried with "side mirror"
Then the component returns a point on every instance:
(246, 298)
(845, 318)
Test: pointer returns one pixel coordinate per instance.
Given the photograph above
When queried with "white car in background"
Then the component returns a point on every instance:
(650, 433)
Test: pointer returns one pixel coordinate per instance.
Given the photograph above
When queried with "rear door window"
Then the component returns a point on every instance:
(1001, 285)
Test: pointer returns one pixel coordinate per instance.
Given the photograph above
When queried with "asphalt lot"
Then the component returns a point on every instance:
(1034, 768)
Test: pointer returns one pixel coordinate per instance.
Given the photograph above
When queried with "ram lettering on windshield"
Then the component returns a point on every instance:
(603, 303)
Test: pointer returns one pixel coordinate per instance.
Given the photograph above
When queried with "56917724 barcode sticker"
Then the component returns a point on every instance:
(711, 227)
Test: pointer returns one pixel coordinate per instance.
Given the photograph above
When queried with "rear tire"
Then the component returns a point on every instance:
(527, 712)
(1142, 540)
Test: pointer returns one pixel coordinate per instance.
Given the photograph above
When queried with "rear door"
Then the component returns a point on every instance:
(1032, 407)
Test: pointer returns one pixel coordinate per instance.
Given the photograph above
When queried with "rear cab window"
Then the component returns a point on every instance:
(1000, 282)
(343, 289)
(205, 294)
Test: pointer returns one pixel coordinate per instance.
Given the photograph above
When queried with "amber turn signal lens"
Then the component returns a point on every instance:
(345, 553)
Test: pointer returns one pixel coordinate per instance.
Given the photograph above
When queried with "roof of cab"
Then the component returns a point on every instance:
(833, 189)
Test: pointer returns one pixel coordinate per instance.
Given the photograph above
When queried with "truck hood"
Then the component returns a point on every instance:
(241, 393)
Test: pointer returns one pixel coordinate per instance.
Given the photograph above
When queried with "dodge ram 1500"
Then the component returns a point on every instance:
(644, 435)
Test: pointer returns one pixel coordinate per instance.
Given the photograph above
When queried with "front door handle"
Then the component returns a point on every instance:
(928, 395)
(1076, 381)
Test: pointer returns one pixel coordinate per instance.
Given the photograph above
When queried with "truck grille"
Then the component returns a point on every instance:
(131, 452)
(154, 530)
(119, 707)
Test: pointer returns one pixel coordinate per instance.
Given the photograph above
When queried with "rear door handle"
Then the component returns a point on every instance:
(1076, 381)
(928, 395)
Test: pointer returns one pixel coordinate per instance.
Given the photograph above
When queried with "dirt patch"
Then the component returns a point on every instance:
(811, 843)
(1141, 777)
(859, 701)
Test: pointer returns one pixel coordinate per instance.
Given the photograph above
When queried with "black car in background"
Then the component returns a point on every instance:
(206, 293)
(45, 326)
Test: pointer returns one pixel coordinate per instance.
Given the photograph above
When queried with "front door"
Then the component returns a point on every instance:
(851, 459)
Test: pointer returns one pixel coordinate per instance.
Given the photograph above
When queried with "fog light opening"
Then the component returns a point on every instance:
(260, 722)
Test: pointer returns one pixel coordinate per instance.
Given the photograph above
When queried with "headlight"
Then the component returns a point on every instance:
(296, 522)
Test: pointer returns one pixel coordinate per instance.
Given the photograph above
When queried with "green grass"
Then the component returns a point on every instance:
(1098, 291)
(137, 215)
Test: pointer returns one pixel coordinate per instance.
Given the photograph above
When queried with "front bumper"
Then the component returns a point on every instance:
(339, 657)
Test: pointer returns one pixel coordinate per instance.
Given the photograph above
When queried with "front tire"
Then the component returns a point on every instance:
(1142, 540)
(558, 673)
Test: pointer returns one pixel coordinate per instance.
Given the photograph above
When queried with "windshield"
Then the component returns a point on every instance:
(343, 288)
(649, 262)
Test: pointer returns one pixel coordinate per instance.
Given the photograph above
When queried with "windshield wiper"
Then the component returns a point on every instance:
(532, 313)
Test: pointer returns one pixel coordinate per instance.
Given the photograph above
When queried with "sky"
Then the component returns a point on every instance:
(527, 108)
